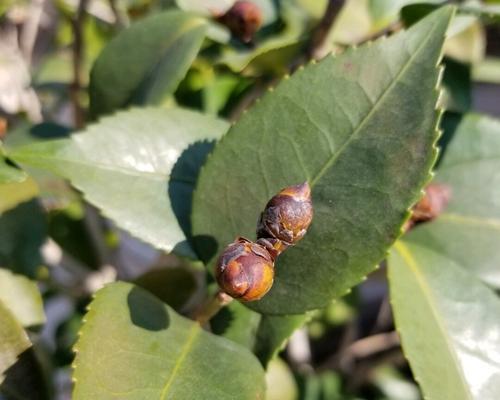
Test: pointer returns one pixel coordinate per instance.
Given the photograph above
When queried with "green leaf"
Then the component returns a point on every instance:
(13, 340)
(13, 194)
(138, 167)
(145, 63)
(22, 232)
(468, 231)
(361, 129)
(274, 332)
(449, 324)
(22, 297)
(10, 174)
(237, 323)
(133, 346)
(265, 335)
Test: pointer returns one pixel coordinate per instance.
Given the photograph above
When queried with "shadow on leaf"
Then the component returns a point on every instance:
(25, 379)
(180, 191)
(146, 311)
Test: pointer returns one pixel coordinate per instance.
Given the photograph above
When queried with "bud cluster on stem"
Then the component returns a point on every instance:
(245, 269)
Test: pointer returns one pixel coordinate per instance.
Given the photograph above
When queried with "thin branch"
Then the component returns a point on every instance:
(361, 349)
(211, 307)
(320, 34)
(78, 58)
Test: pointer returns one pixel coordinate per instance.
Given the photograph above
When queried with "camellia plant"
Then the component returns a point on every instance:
(233, 173)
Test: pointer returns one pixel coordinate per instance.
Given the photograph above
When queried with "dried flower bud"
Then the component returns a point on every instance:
(243, 19)
(435, 200)
(287, 215)
(3, 127)
(245, 270)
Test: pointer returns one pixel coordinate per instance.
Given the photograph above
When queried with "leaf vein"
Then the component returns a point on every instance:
(331, 161)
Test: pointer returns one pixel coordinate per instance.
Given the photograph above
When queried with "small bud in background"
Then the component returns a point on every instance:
(3, 127)
(435, 200)
(430, 206)
(243, 19)
(287, 215)
(245, 270)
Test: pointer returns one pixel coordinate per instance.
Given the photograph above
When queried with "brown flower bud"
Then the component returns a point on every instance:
(287, 215)
(435, 200)
(243, 19)
(245, 270)
(3, 127)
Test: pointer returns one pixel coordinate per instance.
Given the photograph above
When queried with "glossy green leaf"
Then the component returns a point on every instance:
(132, 346)
(23, 230)
(468, 231)
(22, 297)
(53, 191)
(449, 324)
(138, 167)
(361, 129)
(13, 340)
(145, 63)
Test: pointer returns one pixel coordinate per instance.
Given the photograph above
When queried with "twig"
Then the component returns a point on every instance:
(360, 349)
(373, 344)
(323, 29)
(320, 34)
(78, 52)
(211, 307)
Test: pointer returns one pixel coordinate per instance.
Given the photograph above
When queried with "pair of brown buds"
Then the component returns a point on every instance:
(245, 269)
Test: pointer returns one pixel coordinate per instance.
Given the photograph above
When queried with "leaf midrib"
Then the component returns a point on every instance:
(411, 262)
(89, 164)
(493, 223)
(195, 329)
(331, 161)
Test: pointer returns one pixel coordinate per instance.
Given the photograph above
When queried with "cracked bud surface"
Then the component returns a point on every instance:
(287, 215)
(245, 270)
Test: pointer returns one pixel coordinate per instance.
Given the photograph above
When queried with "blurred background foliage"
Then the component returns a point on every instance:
(52, 236)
